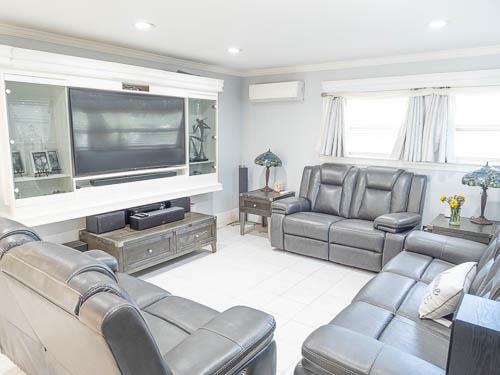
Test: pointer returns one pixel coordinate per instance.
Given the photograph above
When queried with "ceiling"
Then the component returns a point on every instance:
(271, 33)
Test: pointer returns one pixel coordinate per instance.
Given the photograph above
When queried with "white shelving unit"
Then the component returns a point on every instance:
(21, 179)
(44, 78)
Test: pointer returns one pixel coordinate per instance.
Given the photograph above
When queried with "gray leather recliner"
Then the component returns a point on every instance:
(358, 217)
(67, 312)
(380, 332)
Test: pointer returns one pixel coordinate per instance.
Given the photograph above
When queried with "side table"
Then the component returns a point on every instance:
(467, 229)
(258, 202)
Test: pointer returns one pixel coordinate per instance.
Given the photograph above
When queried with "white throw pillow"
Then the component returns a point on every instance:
(445, 291)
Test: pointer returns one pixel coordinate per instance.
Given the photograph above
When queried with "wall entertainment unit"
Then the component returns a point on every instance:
(80, 136)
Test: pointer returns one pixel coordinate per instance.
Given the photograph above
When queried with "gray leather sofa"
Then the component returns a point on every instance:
(66, 312)
(358, 217)
(380, 332)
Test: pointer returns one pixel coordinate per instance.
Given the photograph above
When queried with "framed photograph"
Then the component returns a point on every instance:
(17, 163)
(40, 163)
(55, 167)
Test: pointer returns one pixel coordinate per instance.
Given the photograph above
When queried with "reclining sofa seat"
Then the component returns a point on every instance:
(67, 312)
(380, 332)
(358, 217)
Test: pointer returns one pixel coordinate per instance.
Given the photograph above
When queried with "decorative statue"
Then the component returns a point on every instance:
(199, 136)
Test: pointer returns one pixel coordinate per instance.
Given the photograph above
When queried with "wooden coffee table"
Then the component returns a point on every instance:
(258, 202)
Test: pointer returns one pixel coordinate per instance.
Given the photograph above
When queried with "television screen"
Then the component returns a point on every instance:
(116, 131)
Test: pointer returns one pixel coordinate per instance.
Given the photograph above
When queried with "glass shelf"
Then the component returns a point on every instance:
(39, 139)
(202, 136)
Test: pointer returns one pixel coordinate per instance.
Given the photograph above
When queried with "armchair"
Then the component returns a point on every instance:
(63, 311)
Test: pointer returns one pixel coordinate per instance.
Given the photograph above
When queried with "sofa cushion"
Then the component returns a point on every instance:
(409, 309)
(408, 264)
(181, 312)
(335, 189)
(411, 337)
(363, 318)
(357, 233)
(435, 267)
(141, 292)
(166, 335)
(337, 350)
(387, 290)
(310, 224)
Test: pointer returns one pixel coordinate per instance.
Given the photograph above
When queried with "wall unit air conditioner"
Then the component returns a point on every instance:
(280, 91)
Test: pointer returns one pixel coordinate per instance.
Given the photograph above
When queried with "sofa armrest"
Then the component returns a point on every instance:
(450, 249)
(103, 257)
(397, 222)
(291, 205)
(223, 345)
(338, 350)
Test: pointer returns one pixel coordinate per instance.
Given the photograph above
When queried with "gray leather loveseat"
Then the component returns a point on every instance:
(66, 312)
(354, 216)
(380, 332)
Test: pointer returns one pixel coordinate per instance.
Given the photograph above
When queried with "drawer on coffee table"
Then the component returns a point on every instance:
(146, 252)
(195, 236)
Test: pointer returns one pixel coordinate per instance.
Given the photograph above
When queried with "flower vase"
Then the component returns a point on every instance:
(455, 216)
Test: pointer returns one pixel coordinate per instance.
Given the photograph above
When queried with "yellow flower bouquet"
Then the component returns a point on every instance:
(455, 202)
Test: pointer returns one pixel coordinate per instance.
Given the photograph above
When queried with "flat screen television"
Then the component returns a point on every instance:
(117, 131)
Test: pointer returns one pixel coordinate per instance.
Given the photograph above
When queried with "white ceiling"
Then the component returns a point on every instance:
(271, 33)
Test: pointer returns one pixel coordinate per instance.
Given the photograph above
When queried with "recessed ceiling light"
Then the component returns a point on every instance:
(144, 25)
(437, 24)
(234, 50)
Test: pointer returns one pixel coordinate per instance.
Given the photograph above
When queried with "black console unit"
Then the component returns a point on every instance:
(106, 222)
(145, 220)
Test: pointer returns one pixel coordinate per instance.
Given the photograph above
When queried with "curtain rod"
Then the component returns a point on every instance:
(325, 94)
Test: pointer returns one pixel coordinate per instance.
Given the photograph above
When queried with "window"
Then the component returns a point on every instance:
(477, 123)
(372, 124)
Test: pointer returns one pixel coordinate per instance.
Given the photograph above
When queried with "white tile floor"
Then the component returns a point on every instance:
(302, 293)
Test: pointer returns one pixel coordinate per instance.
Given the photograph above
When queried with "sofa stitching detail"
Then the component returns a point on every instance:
(222, 335)
(328, 361)
(41, 271)
(375, 360)
(175, 324)
(269, 324)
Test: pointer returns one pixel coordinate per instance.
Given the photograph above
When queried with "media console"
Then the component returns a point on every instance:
(138, 250)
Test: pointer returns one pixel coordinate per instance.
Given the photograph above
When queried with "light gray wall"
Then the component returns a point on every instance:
(229, 132)
(291, 129)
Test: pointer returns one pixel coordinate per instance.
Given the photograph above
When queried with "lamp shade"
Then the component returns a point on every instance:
(485, 177)
(268, 159)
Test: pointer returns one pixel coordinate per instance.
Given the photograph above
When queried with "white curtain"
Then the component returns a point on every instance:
(425, 134)
(332, 136)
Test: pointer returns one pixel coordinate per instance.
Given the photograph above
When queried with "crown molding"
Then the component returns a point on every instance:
(70, 41)
(49, 37)
(376, 61)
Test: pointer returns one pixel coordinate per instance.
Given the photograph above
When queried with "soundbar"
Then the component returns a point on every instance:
(145, 220)
(146, 208)
(131, 178)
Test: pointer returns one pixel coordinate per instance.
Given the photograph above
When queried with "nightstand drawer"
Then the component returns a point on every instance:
(147, 251)
(253, 204)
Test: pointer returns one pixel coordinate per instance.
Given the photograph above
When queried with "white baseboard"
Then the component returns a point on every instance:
(227, 217)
